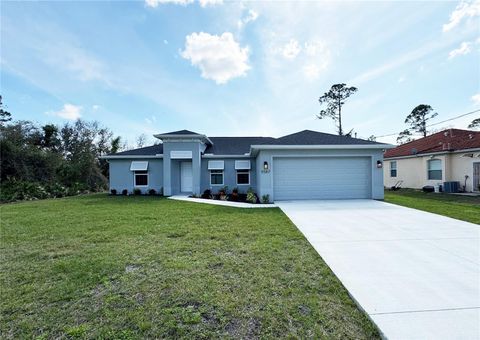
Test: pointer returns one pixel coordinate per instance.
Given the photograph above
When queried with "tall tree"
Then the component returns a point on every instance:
(334, 100)
(474, 124)
(5, 116)
(418, 118)
(404, 137)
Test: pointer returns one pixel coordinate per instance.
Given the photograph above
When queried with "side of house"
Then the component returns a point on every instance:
(448, 156)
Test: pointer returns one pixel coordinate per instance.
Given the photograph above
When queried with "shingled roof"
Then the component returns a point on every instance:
(443, 141)
(179, 132)
(235, 145)
(309, 137)
(242, 145)
(146, 151)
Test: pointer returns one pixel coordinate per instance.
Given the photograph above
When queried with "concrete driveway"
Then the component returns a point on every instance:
(416, 274)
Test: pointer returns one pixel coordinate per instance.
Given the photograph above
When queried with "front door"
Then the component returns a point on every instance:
(186, 177)
(476, 176)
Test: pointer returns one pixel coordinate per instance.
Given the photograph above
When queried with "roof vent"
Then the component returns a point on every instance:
(413, 151)
(445, 133)
(470, 136)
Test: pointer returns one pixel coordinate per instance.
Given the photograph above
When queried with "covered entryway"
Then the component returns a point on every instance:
(297, 178)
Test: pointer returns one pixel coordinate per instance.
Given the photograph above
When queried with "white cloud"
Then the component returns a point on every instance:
(402, 79)
(251, 16)
(476, 98)
(463, 10)
(205, 3)
(313, 48)
(311, 71)
(220, 58)
(69, 111)
(463, 49)
(155, 3)
(291, 49)
(95, 107)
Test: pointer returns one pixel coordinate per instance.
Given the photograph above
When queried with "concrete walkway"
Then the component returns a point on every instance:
(416, 274)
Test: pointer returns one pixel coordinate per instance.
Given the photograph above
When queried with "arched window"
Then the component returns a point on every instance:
(435, 169)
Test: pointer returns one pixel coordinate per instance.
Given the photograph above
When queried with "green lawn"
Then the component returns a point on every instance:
(464, 208)
(132, 267)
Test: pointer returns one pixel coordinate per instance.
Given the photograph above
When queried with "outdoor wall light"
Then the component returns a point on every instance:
(265, 165)
(379, 164)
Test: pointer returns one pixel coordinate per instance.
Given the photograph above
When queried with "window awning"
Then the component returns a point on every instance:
(139, 166)
(242, 165)
(216, 165)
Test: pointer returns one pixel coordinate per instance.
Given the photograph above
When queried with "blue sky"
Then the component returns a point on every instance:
(238, 68)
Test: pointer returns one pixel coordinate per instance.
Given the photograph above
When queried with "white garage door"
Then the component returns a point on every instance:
(321, 178)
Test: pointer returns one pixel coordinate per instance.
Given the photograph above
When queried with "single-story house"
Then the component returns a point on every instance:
(303, 165)
(451, 155)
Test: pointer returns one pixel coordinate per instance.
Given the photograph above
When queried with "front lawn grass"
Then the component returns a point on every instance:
(465, 208)
(135, 267)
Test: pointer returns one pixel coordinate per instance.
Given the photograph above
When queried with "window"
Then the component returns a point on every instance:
(435, 169)
(393, 169)
(216, 177)
(243, 177)
(141, 178)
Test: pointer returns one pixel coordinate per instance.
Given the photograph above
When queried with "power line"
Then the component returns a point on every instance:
(443, 121)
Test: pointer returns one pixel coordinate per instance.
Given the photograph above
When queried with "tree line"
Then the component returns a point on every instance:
(52, 160)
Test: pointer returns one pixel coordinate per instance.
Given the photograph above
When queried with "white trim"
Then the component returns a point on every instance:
(181, 154)
(242, 171)
(135, 180)
(211, 155)
(324, 147)
(187, 136)
(216, 165)
(243, 165)
(223, 177)
(131, 156)
(139, 166)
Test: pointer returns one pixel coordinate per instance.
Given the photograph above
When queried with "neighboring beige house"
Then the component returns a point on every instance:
(450, 155)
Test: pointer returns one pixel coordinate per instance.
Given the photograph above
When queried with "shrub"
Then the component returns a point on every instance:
(207, 194)
(152, 192)
(113, 192)
(266, 199)
(137, 191)
(235, 190)
(124, 192)
(251, 196)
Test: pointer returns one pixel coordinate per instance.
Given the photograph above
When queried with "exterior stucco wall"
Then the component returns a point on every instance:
(122, 178)
(265, 179)
(171, 167)
(461, 166)
(229, 175)
(414, 171)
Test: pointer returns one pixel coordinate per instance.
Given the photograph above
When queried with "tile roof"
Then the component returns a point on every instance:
(241, 145)
(443, 141)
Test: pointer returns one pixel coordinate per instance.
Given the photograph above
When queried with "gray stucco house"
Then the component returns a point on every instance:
(303, 165)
